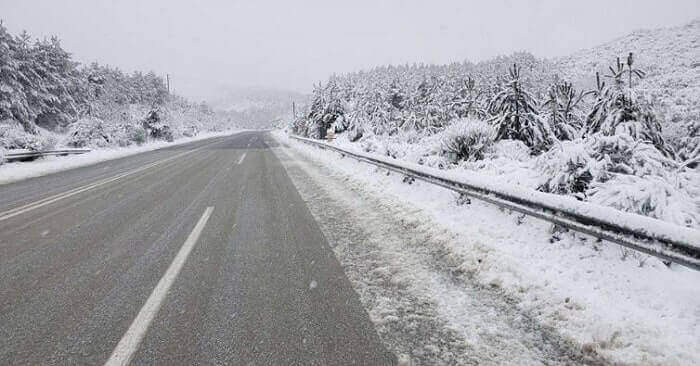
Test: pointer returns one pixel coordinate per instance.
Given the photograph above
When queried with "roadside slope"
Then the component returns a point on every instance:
(634, 311)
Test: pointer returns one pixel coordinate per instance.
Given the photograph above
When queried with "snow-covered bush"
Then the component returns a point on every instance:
(156, 127)
(88, 132)
(651, 196)
(572, 166)
(567, 168)
(689, 150)
(49, 142)
(511, 150)
(468, 139)
(13, 136)
(138, 135)
(623, 173)
(355, 133)
(123, 135)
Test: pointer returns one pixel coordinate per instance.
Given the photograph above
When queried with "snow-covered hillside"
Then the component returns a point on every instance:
(627, 138)
(671, 59)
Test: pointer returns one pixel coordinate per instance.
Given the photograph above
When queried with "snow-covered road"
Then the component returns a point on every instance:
(441, 294)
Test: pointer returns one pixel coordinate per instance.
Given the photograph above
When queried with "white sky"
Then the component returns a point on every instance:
(292, 44)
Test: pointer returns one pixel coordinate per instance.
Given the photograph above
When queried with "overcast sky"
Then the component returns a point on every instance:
(292, 44)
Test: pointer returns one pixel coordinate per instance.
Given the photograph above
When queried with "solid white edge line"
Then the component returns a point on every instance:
(129, 343)
(241, 159)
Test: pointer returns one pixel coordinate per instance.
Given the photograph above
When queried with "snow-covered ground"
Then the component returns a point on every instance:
(449, 283)
(12, 172)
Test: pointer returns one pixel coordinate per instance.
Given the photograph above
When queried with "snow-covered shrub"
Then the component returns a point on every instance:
(511, 150)
(138, 135)
(88, 132)
(688, 150)
(355, 133)
(623, 154)
(124, 135)
(13, 136)
(48, 142)
(571, 166)
(651, 196)
(567, 168)
(156, 127)
(468, 139)
(623, 173)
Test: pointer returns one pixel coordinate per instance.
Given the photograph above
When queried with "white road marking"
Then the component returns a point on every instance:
(129, 343)
(242, 157)
(48, 200)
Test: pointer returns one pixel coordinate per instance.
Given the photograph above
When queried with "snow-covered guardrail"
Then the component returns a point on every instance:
(31, 155)
(648, 235)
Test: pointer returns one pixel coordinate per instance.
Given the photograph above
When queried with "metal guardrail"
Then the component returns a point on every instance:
(31, 155)
(672, 243)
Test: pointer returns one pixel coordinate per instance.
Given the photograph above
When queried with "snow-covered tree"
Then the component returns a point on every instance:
(562, 110)
(515, 114)
(619, 110)
(43, 92)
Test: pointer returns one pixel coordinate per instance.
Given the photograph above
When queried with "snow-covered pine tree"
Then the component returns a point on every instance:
(467, 101)
(619, 110)
(515, 115)
(13, 102)
(59, 84)
(562, 110)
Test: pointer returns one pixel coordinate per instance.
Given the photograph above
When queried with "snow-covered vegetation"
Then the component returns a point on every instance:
(618, 125)
(47, 100)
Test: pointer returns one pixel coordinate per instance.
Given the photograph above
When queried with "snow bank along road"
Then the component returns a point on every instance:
(203, 253)
(449, 282)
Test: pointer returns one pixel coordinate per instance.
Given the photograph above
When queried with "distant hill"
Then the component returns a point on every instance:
(256, 107)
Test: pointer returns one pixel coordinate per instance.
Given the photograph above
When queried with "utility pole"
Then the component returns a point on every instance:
(167, 80)
(294, 110)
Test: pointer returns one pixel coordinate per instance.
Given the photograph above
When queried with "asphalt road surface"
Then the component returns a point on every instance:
(202, 253)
